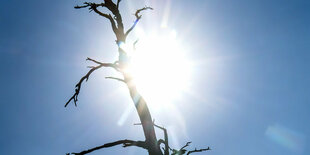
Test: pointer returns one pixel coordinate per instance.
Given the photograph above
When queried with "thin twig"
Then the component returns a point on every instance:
(134, 44)
(199, 150)
(115, 78)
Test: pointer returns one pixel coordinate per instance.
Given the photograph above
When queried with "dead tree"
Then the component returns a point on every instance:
(151, 144)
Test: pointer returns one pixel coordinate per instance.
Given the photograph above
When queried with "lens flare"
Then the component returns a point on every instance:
(286, 137)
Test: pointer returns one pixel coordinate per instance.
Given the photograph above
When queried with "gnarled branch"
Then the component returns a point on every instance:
(112, 7)
(85, 78)
(125, 143)
(89, 4)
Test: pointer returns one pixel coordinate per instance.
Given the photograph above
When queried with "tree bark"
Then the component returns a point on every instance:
(145, 117)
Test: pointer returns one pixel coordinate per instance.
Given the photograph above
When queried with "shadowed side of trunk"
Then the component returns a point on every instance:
(145, 118)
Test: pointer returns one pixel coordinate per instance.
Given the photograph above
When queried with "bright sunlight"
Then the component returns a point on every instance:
(160, 68)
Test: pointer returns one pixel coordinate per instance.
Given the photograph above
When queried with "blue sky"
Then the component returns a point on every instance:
(250, 91)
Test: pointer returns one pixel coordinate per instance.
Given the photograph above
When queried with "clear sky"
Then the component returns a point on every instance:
(250, 85)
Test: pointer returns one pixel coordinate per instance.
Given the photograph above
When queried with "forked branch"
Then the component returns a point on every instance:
(85, 78)
(117, 5)
(160, 141)
(186, 145)
(183, 150)
(138, 17)
(166, 142)
(174, 151)
(125, 143)
(109, 5)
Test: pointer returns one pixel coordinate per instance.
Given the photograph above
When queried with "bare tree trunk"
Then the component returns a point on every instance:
(140, 103)
(150, 144)
(145, 118)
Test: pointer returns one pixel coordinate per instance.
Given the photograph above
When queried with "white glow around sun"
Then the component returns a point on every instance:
(160, 68)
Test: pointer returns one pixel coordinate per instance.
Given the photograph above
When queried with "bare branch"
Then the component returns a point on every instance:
(160, 141)
(108, 16)
(117, 16)
(114, 65)
(79, 84)
(138, 17)
(166, 142)
(134, 44)
(200, 150)
(125, 143)
(117, 5)
(186, 145)
(95, 61)
(180, 151)
(93, 7)
(142, 9)
(114, 78)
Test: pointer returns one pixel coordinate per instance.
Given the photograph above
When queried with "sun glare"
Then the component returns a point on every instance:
(160, 68)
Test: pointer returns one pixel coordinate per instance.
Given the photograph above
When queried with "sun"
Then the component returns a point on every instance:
(160, 68)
